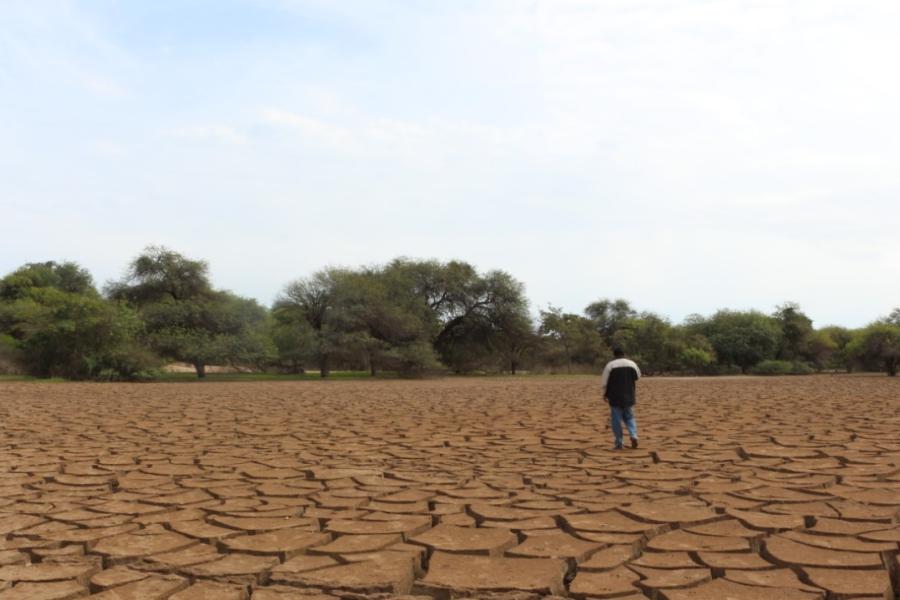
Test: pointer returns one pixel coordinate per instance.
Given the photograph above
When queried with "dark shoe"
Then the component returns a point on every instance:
(617, 447)
(634, 442)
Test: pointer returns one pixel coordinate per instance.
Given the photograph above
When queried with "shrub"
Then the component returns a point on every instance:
(781, 367)
(697, 360)
(803, 368)
(10, 359)
(412, 360)
(55, 324)
(877, 346)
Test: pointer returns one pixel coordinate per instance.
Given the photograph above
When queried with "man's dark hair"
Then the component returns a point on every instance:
(618, 352)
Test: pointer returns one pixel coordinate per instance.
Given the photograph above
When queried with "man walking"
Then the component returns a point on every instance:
(619, 376)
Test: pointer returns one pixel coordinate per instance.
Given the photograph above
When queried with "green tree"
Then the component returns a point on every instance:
(740, 338)
(55, 323)
(441, 289)
(609, 315)
(310, 305)
(384, 322)
(691, 351)
(894, 317)
(10, 358)
(66, 277)
(159, 274)
(433, 294)
(217, 328)
(835, 341)
(796, 332)
(186, 320)
(474, 321)
(878, 347)
(474, 313)
(696, 360)
(570, 339)
(294, 339)
(821, 348)
(511, 334)
(374, 317)
(514, 339)
(649, 339)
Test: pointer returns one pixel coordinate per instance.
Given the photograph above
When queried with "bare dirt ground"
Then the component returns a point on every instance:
(782, 488)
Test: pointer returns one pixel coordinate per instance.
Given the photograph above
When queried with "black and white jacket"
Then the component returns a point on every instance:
(618, 382)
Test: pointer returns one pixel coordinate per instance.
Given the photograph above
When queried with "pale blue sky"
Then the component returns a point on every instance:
(685, 155)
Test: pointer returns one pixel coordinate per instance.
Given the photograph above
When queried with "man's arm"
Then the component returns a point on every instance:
(605, 379)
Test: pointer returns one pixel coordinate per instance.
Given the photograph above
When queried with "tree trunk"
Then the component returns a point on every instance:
(512, 367)
(296, 369)
(323, 366)
(891, 364)
(201, 369)
(372, 368)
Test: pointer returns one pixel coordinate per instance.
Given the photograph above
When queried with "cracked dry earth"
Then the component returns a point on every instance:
(498, 488)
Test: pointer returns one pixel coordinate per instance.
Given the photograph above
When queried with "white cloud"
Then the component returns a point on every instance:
(107, 149)
(731, 152)
(214, 133)
(370, 137)
(309, 129)
(104, 88)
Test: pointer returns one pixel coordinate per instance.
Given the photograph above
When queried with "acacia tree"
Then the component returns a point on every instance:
(796, 332)
(386, 322)
(310, 305)
(836, 353)
(649, 338)
(66, 277)
(383, 317)
(570, 339)
(478, 314)
(609, 315)
(515, 339)
(217, 328)
(878, 346)
(693, 352)
(740, 338)
(821, 348)
(401, 315)
(186, 319)
(893, 318)
(160, 274)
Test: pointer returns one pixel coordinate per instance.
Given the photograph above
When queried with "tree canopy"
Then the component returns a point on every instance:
(740, 338)
(55, 323)
(878, 347)
(185, 319)
(407, 316)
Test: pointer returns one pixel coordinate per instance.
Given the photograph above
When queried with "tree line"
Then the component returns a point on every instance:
(409, 317)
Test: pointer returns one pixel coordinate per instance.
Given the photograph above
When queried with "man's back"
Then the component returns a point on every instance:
(619, 376)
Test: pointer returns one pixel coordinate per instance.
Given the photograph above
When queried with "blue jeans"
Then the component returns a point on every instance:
(619, 414)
